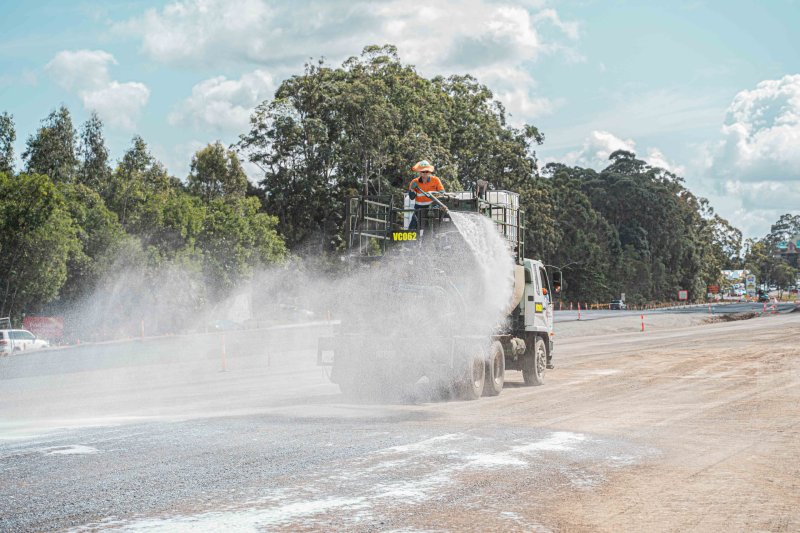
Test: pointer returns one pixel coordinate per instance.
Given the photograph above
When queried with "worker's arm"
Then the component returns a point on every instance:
(412, 189)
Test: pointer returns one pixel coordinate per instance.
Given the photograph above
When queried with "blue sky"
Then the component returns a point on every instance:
(708, 89)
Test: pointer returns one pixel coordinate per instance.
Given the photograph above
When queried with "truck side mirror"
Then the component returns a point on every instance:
(558, 283)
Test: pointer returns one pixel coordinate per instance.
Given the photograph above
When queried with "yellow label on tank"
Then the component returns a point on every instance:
(404, 235)
(539, 308)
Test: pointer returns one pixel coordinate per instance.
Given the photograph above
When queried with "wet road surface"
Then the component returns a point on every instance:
(685, 428)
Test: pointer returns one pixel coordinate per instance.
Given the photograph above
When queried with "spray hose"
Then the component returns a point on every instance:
(430, 197)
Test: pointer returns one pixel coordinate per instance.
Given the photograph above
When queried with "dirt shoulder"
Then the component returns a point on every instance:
(720, 406)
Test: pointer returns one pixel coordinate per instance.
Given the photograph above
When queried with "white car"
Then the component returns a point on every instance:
(18, 340)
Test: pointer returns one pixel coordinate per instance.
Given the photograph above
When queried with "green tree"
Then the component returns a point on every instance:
(100, 237)
(236, 239)
(94, 170)
(786, 227)
(769, 257)
(137, 179)
(216, 173)
(760, 260)
(7, 137)
(630, 228)
(581, 240)
(37, 238)
(170, 223)
(331, 133)
(51, 151)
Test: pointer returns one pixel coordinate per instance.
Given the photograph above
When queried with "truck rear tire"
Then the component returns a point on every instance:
(472, 376)
(356, 382)
(534, 362)
(495, 370)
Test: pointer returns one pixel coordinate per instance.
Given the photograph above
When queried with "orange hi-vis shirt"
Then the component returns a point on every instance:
(430, 185)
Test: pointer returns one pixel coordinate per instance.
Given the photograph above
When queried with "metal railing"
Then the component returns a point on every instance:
(372, 219)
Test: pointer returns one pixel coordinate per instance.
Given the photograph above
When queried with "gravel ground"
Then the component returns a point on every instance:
(685, 426)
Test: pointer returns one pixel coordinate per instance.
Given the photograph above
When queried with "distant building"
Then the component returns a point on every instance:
(789, 251)
(734, 275)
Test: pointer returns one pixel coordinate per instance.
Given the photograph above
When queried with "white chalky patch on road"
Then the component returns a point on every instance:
(75, 449)
(538, 528)
(387, 465)
(243, 520)
(425, 470)
(620, 461)
(415, 490)
(427, 444)
(606, 372)
(494, 459)
(561, 441)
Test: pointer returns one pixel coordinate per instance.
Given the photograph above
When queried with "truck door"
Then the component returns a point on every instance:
(540, 309)
(548, 299)
(536, 305)
(531, 289)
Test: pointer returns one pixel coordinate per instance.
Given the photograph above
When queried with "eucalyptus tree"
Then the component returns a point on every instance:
(7, 137)
(334, 132)
(94, 170)
(216, 173)
(37, 238)
(52, 149)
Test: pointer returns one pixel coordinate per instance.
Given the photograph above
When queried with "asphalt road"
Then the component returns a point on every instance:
(688, 428)
(701, 309)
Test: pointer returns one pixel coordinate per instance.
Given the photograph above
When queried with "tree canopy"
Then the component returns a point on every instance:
(71, 225)
(333, 132)
(76, 218)
(216, 173)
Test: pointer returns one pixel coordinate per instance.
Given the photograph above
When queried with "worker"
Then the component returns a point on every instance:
(426, 182)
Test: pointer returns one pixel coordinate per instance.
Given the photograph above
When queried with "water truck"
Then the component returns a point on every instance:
(422, 314)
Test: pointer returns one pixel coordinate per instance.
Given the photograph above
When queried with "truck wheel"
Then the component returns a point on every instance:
(354, 382)
(495, 370)
(361, 388)
(534, 363)
(472, 376)
(350, 388)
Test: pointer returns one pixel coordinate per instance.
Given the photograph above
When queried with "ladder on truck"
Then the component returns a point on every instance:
(370, 221)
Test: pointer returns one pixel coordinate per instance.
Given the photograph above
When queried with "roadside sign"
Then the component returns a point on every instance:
(683, 295)
(713, 289)
(750, 285)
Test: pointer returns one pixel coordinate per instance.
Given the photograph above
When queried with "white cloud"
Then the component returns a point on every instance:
(753, 172)
(86, 73)
(222, 104)
(118, 104)
(596, 149)
(570, 29)
(599, 145)
(655, 158)
(753, 206)
(761, 134)
(498, 39)
(515, 88)
(82, 68)
(769, 195)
